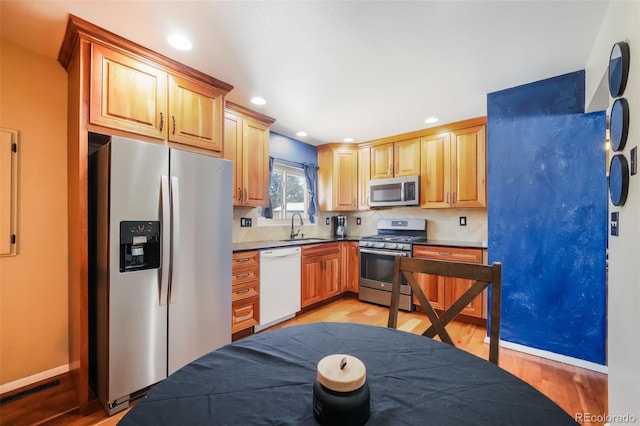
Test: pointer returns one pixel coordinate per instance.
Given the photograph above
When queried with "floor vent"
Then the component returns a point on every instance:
(28, 392)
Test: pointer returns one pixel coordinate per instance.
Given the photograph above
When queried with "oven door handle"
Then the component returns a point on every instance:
(385, 252)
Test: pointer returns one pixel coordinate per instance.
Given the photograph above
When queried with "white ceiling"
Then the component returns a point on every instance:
(336, 69)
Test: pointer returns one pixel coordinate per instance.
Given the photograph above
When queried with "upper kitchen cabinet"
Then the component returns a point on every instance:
(127, 94)
(131, 94)
(196, 112)
(246, 143)
(395, 159)
(453, 171)
(337, 177)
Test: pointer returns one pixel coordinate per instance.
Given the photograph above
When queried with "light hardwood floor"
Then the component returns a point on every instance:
(574, 389)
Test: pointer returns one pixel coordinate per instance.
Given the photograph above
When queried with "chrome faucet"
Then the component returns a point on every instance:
(295, 234)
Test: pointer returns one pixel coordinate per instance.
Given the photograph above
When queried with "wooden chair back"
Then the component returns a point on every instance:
(483, 275)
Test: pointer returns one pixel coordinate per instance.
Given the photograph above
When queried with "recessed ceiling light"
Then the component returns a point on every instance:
(258, 101)
(432, 120)
(347, 140)
(179, 42)
(301, 134)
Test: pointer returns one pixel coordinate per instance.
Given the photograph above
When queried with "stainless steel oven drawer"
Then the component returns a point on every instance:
(381, 297)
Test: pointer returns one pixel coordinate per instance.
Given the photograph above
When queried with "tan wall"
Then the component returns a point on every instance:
(33, 284)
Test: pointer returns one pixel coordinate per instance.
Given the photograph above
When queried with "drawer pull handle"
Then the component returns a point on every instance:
(246, 290)
(244, 259)
(444, 253)
(243, 275)
(244, 315)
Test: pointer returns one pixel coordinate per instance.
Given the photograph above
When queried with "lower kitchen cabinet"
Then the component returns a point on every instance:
(245, 290)
(443, 291)
(320, 272)
(350, 266)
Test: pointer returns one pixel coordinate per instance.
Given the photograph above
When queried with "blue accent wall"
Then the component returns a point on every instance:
(291, 149)
(547, 216)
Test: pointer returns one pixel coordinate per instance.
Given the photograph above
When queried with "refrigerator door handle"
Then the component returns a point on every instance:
(175, 220)
(166, 241)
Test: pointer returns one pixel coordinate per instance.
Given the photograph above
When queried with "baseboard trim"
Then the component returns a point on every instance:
(553, 356)
(26, 381)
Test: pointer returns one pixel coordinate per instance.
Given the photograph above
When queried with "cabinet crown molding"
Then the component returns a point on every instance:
(249, 113)
(477, 121)
(78, 28)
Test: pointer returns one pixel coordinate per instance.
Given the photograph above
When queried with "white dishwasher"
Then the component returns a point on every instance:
(279, 285)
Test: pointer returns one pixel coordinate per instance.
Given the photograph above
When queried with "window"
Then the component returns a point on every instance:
(288, 192)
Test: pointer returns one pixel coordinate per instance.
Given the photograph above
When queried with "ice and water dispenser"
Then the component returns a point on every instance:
(139, 245)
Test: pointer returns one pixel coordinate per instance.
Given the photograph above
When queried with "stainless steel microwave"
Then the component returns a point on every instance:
(400, 191)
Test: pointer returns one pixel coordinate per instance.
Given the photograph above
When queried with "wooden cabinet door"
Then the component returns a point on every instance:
(469, 153)
(331, 275)
(127, 94)
(434, 288)
(382, 161)
(456, 286)
(255, 163)
(443, 291)
(233, 152)
(196, 114)
(435, 171)
(364, 175)
(353, 267)
(432, 285)
(406, 155)
(312, 280)
(345, 179)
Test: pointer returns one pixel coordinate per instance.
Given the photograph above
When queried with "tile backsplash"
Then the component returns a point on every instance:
(442, 224)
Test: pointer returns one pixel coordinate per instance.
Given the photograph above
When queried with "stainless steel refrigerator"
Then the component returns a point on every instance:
(162, 268)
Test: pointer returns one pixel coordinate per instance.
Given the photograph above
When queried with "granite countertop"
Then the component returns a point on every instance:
(270, 244)
(454, 243)
(262, 245)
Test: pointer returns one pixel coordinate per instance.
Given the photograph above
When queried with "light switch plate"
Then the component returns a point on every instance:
(327, 221)
(245, 222)
(358, 221)
(614, 224)
(463, 221)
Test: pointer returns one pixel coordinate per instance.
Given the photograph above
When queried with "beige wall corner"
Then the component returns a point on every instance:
(33, 284)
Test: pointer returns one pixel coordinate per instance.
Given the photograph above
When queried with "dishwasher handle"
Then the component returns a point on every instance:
(280, 253)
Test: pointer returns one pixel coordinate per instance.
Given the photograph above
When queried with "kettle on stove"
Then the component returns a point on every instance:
(339, 226)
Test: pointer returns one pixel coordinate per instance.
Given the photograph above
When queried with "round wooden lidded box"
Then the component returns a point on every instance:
(340, 392)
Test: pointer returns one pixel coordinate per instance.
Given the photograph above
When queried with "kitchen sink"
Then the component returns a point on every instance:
(307, 240)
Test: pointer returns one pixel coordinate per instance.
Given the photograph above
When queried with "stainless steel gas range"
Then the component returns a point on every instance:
(378, 252)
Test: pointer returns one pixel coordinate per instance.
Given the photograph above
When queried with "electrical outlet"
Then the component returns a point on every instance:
(245, 222)
(327, 221)
(463, 221)
(358, 221)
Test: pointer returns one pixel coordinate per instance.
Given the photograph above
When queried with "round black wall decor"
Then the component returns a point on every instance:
(618, 68)
(619, 124)
(618, 180)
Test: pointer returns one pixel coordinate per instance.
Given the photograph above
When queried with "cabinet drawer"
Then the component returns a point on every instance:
(320, 249)
(244, 314)
(244, 291)
(244, 275)
(449, 253)
(244, 259)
